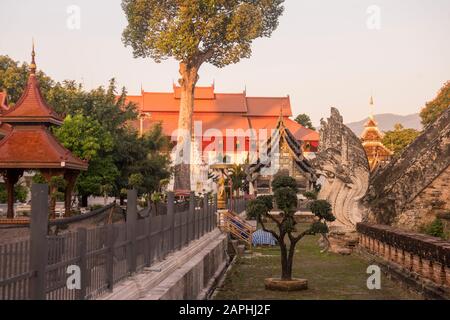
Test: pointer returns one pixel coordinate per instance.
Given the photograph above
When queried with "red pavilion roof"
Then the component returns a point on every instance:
(31, 107)
(34, 147)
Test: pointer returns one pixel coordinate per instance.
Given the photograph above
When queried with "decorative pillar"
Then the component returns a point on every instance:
(417, 264)
(387, 252)
(408, 264)
(427, 269)
(71, 177)
(11, 176)
(439, 273)
(447, 276)
(48, 174)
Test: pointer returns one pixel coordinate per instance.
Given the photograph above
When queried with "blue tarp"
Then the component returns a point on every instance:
(261, 237)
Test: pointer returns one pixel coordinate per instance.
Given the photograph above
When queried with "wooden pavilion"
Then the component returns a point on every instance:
(30, 145)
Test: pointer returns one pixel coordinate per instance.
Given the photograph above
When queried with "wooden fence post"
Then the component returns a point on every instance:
(171, 215)
(147, 239)
(205, 214)
(215, 210)
(131, 229)
(191, 216)
(82, 264)
(110, 256)
(38, 240)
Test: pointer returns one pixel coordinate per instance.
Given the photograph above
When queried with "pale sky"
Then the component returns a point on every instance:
(323, 54)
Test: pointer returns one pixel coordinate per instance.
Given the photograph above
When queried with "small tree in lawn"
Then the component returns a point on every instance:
(195, 32)
(288, 233)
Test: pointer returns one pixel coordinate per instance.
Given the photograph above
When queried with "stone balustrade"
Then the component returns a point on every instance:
(422, 256)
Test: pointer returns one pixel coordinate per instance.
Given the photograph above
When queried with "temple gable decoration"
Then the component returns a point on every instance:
(282, 152)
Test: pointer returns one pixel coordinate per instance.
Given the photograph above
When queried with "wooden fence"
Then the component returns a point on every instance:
(45, 267)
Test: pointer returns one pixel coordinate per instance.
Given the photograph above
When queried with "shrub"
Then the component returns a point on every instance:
(284, 182)
(268, 201)
(311, 195)
(20, 193)
(322, 210)
(435, 229)
(256, 208)
(286, 198)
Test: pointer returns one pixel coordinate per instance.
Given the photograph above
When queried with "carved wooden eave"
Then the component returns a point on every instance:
(282, 133)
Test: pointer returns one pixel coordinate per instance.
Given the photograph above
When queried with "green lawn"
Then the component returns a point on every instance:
(330, 276)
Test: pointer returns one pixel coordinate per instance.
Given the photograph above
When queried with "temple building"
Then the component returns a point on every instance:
(283, 154)
(377, 153)
(29, 145)
(226, 125)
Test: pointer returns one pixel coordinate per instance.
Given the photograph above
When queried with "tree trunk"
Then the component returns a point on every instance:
(189, 78)
(71, 177)
(290, 259)
(84, 201)
(286, 273)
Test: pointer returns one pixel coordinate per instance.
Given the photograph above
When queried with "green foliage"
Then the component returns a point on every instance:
(38, 178)
(197, 31)
(156, 197)
(322, 209)
(20, 193)
(311, 195)
(435, 229)
(256, 209)
(434, 109)
(267, 200)
(84, 136)
(399, 138)
(283, 181)
(305, 121)
(319, 227)
(135, 180)
(286, 199)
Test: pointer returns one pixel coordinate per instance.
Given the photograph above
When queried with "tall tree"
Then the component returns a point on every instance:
(399, 138)
(193, 32)
(305, 121)
(434, 109)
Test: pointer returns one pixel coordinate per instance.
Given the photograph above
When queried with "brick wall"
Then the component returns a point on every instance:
(432, 201)
(418, 257)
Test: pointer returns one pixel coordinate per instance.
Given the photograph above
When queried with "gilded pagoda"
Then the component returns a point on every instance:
(377, 153)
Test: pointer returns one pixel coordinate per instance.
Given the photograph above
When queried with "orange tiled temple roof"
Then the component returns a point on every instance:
(220, 111)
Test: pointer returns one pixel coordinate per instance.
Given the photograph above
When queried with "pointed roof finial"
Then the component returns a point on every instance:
(33, 62)
(371, 107)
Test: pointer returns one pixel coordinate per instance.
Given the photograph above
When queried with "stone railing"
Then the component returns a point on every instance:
(417, 256)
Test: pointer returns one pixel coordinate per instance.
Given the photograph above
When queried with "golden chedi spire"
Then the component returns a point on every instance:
(372, 142)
